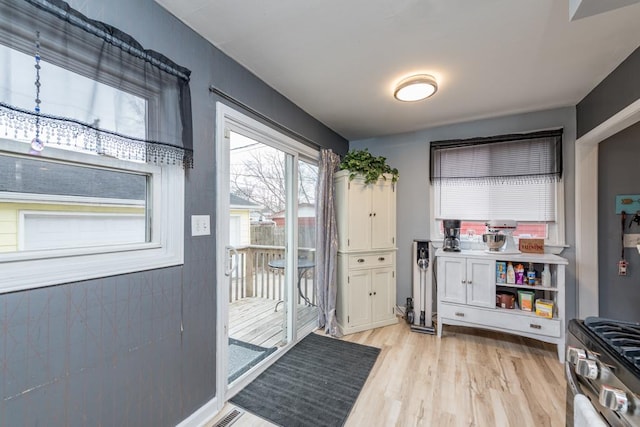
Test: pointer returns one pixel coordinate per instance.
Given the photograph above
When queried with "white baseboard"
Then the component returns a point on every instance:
(203, 415)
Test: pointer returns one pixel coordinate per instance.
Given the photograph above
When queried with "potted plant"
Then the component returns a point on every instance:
(372, 168)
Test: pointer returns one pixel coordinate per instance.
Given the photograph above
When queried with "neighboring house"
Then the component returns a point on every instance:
(54, 206)
(306, 216)
(240, 220)
(306, 224)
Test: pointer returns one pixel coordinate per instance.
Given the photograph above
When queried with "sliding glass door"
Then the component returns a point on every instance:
(266, 241)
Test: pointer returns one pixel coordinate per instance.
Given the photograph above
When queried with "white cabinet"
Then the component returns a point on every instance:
(467, 281)
(366, 219)
(467, 285)
(366, 213)
(366, 291)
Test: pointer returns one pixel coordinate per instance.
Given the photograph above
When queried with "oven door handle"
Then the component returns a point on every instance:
(571, 378)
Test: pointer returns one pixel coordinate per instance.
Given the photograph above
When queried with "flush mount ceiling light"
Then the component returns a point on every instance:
(416, 88)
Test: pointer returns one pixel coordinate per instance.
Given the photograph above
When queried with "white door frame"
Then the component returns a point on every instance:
(587, 286)
(226, 119)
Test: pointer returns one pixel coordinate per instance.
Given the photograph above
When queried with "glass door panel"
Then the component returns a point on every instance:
(305, 303)
(258, 294)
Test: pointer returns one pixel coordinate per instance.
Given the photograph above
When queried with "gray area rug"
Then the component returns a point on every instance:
(244, 356)
(315, 384)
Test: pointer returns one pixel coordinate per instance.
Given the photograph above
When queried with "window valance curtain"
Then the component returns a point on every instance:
(528, 157)
(100, 90)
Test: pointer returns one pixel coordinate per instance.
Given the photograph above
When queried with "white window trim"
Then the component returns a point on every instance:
(35, 269)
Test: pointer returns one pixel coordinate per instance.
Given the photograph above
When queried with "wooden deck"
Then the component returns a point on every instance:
(254, 320)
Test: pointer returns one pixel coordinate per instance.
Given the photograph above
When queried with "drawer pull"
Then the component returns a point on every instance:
(381, 258)
(360, 260)
(459, 314)
(534, 326)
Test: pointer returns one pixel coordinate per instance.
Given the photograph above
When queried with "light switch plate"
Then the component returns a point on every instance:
(200, 225)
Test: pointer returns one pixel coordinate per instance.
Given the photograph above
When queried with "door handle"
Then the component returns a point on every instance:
(231, 254)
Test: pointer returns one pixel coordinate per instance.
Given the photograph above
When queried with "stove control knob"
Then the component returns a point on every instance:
(613, 398)
(573, 354)
(587, 368)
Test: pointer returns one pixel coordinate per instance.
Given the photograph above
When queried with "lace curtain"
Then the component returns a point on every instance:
(100, 90)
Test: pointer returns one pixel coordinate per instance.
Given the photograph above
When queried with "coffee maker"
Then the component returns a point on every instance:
(451, 235)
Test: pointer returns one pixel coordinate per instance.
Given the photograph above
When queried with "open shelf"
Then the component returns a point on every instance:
(529, 287)
(516, 310)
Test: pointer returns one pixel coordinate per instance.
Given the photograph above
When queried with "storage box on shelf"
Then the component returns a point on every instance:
(468, 283)
(366, 219)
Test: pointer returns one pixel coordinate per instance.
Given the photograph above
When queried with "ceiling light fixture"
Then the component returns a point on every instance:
(416, 88)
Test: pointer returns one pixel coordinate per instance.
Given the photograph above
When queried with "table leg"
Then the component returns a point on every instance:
(302, 295)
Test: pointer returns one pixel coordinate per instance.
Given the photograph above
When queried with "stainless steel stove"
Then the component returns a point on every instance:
(603, 363)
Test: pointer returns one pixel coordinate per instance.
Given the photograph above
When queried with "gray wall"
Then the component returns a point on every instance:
(110, 351)
(410, 154)
(619, 173)
(618, 90)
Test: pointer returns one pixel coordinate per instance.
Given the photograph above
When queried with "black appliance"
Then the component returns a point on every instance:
(451, 241)
(603, 363)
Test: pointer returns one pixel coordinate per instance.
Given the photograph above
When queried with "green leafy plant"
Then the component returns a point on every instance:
(372, 168)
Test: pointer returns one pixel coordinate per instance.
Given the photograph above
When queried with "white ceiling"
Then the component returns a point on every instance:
(339, 60)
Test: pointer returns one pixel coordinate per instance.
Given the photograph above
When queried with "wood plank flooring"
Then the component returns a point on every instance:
(469, 377)
(254, 320)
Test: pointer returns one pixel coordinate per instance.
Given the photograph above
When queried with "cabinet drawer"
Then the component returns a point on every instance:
(536, 325)
(381, 259)
(507, 320)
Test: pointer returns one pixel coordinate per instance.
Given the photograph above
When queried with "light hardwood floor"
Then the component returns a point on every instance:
(469, 377)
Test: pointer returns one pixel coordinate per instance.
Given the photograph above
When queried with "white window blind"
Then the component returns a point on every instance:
(481, 201)
(502, 177)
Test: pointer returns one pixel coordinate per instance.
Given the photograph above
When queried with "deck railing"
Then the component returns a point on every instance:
(253, 277)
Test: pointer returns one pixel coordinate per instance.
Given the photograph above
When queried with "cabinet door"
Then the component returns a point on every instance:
(382, 298)
(359, 284)
(383, 221)
(359, 216)
(481, 283)
(451, 274)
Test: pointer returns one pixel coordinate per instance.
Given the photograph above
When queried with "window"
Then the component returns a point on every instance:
(106, 195)
(514, 177)
(55, 205)
(58, 234)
